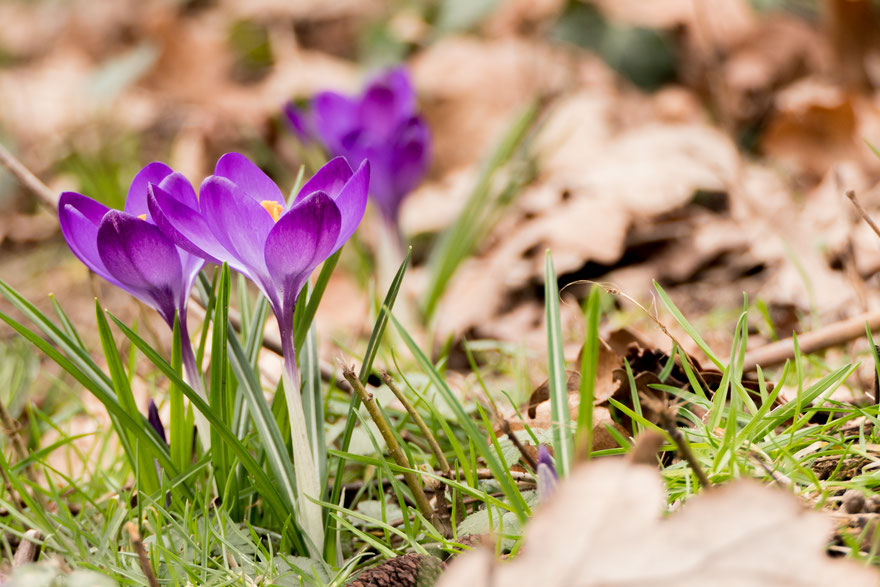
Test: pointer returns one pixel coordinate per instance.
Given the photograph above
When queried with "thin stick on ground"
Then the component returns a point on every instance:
(43, 192)
(667, 414)
(420, 422)
(862, 212)
(527, 456)
(811, 342)
(143, 557)
(394, 449)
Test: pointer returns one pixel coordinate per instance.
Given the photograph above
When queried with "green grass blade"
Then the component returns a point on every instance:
(220, 397)
(589, 364)
(691, 331)
(463, 235)
(180, 435)
(147, 477)
(313, 404)
(276, 501)
(366, 365)
(122, 420)
(557, 379)
(466, 422)
(317, 292)
(261, 414)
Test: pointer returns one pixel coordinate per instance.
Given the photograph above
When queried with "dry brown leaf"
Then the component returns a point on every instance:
(594, 186)
(781, 49)
(472, 89)
(742, 534)
(720, 23)
(813, 128)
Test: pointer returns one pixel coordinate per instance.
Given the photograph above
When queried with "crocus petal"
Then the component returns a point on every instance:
(136, 202)
(143, 260)
(399, 82)
(335, 116)
(352, 201)
(299, 121)
(301, 239)
(154, 420)
(410, 155)
(240, 225)
(184, 225)
(330, 179)
(79, 218)
(378, 111)
(248, 177)
(179, 187)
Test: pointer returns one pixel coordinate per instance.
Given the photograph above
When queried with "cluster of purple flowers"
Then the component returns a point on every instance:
(158, 244)
(381, 125)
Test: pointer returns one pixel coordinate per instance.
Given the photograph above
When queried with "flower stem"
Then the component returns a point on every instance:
(193, 378)
(306, 472)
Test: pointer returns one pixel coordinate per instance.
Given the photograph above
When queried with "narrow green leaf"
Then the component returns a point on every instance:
(314, 299)
(466, 422)
(589, 364)
(276, 501)
(557, 380)
(272, 442)
(471, 224)
(366, 365)
(691, 331)
(147, 477)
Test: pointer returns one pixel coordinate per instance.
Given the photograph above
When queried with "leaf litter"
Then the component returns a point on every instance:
(628, 186)
(605, 526)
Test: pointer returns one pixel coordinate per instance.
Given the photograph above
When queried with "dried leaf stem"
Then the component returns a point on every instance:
(143, 557)
(526, 455)
(420, 422)
(394, 449)
(667, 414)
(862, 212)
(44, 193)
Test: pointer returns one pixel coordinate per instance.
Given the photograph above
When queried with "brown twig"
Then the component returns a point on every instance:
(420, 422)
(394, 449)
(43, 192)
(862, 212)
(810, 342)
(143, 557)
(667, 414)
(527, 457)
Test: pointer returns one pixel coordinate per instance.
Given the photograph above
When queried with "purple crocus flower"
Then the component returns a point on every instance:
(381, 125)
(241, 218)
(127, 249)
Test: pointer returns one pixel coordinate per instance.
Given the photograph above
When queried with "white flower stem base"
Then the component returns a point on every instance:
(307, 483)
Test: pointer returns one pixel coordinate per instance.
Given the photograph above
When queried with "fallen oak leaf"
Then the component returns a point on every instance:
(742, 534)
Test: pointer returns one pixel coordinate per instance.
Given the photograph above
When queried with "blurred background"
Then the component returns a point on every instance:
(704, 144)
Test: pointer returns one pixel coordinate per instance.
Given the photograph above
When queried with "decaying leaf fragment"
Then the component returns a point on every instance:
(604, 527)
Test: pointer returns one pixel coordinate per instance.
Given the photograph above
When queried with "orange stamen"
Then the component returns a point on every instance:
(143, 216)
(273, 208)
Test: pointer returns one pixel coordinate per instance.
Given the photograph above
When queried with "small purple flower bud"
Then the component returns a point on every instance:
(155, 421)
(547, 477)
